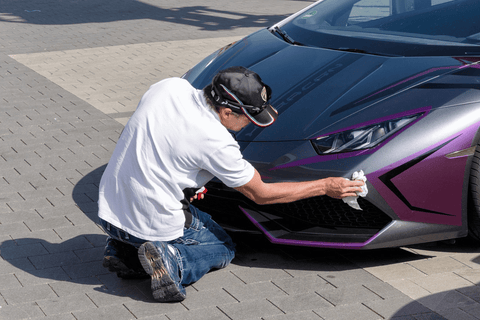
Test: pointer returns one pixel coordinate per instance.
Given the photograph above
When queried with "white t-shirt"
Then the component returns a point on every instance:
(173, 141)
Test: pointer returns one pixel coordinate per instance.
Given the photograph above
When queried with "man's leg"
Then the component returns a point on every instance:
(171, 265)
(203, 247)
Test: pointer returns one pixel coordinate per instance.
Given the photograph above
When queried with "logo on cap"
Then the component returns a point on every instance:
(264, 94)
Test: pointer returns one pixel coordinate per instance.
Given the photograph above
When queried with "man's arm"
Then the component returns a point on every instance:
(283, 192)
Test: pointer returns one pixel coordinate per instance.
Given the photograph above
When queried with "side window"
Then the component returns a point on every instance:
(367, 10)
(401, 6)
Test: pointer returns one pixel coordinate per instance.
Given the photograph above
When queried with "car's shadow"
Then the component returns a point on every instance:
(459, 303)
(462, 302)
(78, 259)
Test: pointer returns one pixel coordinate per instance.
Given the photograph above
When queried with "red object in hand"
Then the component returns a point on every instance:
(202, 190)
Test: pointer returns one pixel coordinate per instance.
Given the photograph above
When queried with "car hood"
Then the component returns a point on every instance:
(317, 90)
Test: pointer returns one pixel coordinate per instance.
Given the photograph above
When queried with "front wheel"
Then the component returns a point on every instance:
(474, 207)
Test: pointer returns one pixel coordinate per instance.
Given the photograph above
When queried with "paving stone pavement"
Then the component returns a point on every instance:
(71, 73)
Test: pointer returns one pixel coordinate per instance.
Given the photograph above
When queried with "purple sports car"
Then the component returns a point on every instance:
(390, 87)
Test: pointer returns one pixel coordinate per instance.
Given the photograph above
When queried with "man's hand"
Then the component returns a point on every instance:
(197, 197)
(339, 188)
(199, 194)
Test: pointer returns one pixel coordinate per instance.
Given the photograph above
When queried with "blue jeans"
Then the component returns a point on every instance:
(204, 246)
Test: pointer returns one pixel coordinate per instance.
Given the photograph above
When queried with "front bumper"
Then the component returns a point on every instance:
(315, 221)
(319, 222)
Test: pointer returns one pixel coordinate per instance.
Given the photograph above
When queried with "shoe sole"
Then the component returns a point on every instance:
(164, 289)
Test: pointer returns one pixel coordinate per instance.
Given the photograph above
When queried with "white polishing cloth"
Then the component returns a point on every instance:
(352, 201)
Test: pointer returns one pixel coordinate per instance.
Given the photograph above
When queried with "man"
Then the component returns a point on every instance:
(175, 142)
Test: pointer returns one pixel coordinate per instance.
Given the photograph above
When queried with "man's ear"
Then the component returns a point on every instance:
(229, 112)
(226, 112)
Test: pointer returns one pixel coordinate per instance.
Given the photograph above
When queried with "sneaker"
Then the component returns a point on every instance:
(122, 258)
(162, 266)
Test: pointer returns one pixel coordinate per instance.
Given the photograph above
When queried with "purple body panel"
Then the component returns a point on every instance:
(438, 190)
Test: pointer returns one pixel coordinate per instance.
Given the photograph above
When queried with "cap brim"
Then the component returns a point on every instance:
(263, 119)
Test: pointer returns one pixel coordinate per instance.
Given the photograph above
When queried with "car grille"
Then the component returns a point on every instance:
(320, 211)
(329, 212)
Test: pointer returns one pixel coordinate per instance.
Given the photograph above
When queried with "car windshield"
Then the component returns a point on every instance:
(389, 27)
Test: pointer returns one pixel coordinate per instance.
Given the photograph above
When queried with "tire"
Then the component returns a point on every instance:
(474, 195)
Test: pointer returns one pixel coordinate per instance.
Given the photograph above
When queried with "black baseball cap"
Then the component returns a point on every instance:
(243, 91)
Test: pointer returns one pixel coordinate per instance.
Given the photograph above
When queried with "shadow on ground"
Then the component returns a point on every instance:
(66, 12)
(72, 257)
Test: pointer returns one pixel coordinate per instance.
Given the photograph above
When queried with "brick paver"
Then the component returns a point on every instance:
(71, 74)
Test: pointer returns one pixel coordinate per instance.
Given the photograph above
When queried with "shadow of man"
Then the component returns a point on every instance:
(67, 263)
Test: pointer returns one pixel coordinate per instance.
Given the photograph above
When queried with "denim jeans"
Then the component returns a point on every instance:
(204, 246)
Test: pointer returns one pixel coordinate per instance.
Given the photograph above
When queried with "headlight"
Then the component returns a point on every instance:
(360, 138)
